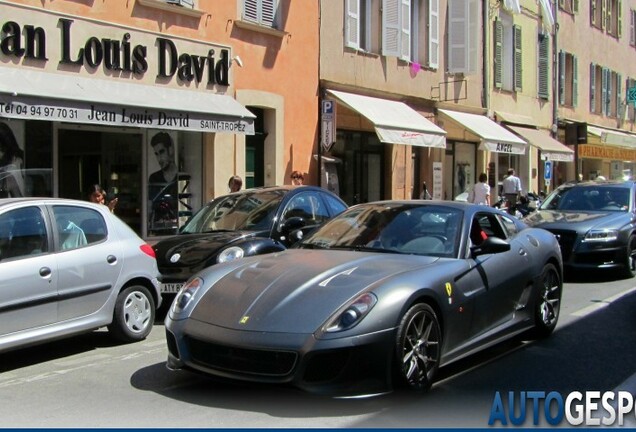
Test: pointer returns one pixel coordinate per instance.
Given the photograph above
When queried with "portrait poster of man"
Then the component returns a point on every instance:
(163, 183)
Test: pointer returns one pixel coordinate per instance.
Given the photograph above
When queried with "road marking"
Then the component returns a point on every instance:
(600, 304)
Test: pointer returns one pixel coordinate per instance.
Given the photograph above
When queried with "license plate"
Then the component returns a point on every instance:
(171, 288)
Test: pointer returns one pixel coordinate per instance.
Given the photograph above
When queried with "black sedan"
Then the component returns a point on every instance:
(250, 222)
(382, 295)
(595, 223)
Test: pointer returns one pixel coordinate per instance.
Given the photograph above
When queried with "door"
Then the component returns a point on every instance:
(89, 258)
(28, 286)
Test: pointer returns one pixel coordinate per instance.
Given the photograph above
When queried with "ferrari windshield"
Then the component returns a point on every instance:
(588, 198)
(397, 228)
(251, 210)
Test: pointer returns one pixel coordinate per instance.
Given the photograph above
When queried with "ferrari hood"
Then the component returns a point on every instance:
(575, 221)
(297, 290)
(192, 249)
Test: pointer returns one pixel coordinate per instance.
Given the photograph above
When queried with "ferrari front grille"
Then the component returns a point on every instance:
(241, 360)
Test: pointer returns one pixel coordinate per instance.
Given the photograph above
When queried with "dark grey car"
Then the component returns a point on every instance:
(594, 222)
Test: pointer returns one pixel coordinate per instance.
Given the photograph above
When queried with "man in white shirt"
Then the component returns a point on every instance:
(512, 190)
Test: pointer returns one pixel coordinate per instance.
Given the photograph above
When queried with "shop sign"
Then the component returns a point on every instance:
(31, 108)
(606, 152)
(502, 147)
(119, 54)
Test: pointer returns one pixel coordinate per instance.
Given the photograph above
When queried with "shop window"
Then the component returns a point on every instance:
(25, 158)
(463, 36)
(508, 55)
(568, 79)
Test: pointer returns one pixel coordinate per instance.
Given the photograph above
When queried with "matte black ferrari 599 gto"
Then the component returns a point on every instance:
(246, 223)
(382, 295)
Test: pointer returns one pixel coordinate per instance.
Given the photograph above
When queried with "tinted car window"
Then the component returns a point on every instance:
(335, 206)
(509, 226)
(78, 226)
(307, 205)
(247, 211)
(588, 198)
(23, 233)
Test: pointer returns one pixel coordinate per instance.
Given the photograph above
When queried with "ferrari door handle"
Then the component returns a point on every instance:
(522, 252)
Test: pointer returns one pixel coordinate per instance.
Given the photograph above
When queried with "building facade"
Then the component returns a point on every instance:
(160, 102)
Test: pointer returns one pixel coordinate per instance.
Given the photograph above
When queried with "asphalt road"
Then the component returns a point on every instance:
(88, 381)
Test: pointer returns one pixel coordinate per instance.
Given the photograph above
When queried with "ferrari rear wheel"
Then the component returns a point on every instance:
(418, 347)
(548, 303)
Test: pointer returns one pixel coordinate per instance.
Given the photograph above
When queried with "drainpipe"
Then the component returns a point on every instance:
(486, 69)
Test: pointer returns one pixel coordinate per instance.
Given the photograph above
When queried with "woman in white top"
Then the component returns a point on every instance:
(482, 191)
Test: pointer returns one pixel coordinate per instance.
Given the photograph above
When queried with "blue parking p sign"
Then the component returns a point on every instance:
(547, 170)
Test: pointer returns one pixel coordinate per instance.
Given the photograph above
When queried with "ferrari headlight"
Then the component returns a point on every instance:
(352, 314)
(230, 254)
(601, 235)
(186, 294)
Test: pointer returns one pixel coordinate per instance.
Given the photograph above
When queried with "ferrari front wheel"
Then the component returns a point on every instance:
(548, 302)
(418, 348)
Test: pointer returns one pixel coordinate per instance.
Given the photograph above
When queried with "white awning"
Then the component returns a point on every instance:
(35, 95)
(394, 122)
(613, 137)
(551, 149)
(494, 137)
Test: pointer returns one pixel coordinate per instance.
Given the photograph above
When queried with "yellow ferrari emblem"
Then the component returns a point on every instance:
(244, 320)
(449, 289)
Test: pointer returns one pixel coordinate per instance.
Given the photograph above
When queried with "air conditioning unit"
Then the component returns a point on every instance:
(185, 3)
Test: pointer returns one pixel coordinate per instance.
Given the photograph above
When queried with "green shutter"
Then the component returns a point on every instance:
(592, 88)
(498, 53)
(604, 14)
(620, 18)
(604, 82)
(562, 77)
(593, 12)
(619, 96)
(575, 6)
(575, 81)
(517, 68)
(544, 67)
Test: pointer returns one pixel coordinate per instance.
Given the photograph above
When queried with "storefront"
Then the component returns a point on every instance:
(137, 112)
(477, 144)
(373, 146)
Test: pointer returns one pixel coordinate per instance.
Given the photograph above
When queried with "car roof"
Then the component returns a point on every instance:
(594, 183)
(43, 200)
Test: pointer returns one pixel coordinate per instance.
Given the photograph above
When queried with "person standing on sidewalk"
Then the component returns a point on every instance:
(512, 190)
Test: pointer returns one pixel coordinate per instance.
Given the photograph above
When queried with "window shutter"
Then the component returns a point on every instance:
(433, 34)
(604, 81)
(632, 28)
(498, 53)
(619, 21)
(592, 87)
(268, 12)
(603, 14)
(575, 6)
(544, 66)
(391, 28)
(561, 4)
(561, 77)
(457, 36)
(405, 30)
(352, 24)
(609, 27)
(619, 95)
(250, 10)
(593, 12)
(518, 58)
(575, 81)
(474, 28)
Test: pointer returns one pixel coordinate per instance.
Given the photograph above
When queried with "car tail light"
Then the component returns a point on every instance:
(148, 250)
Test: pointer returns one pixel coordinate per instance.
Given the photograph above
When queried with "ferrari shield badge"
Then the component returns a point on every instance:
(449, 292)
(244, 320)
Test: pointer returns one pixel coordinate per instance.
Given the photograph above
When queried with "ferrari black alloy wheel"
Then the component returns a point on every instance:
(548, 302)
(630, 261)
(418, 347)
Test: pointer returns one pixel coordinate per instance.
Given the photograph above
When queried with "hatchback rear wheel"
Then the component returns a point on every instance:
(134, 314)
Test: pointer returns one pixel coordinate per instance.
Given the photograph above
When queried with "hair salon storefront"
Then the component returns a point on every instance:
(137, 112)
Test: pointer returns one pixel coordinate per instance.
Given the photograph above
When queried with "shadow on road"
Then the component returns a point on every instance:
(597, 352)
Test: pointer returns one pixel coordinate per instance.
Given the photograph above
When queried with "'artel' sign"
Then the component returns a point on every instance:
(116, 55)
